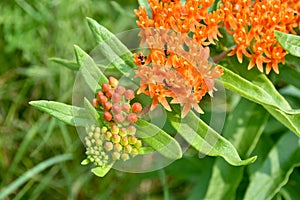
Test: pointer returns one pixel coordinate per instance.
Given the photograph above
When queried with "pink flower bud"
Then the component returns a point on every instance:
(126, 107)
(132, 118)
(136, 107)
(120, 90)
(119, 118)
(129, 94)
(116, 97)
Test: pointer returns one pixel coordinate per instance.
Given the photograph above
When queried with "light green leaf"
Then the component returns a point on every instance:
(206, 140)
(243, 129)
(101, 171)
(94, 115)
(66, 63)
(276, 169)
(258, 88)
(89, 70)
(158, 140)
(85, 162)
(111, 47)
(72, 115)
(289, 42)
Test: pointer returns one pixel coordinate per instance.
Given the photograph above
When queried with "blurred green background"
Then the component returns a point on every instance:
(33, 31)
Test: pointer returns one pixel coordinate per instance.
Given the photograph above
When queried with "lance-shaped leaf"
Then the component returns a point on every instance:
(243, 129)
(276, 169)
(89, 70)
(111, 47)
(158, 140)
(72, 115)
(258, 88)
(207, 141)
(66, 63)
(289, 42)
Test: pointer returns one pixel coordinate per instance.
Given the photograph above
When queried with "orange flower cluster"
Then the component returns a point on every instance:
(252, 24)
(177, 65)
(193, 16)
(170, 70)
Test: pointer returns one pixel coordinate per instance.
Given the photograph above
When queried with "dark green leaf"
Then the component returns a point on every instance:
(66, 63)
(207, 141)
(276, 169)
(289, 42)
(72, 115)
(158, 140)
(89, 70)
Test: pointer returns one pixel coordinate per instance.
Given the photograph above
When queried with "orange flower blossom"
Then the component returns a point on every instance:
(252, 24)
(177, 66)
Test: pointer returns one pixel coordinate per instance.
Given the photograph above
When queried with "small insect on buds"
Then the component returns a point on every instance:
(107, 116)
(132, 118)
(105, 87)
(136, 107)
(113, 81)
(129, 94)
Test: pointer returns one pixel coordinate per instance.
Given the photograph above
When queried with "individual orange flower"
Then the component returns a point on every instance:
(252, 24)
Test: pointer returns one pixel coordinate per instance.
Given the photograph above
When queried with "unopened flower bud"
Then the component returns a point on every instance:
(116, 155)
(99, 94)
(127, 148)
(131, 130)
(138, 144)
(109, 93)
(134, 152)
(95, 103)
(123, 132)
(113, 81)
(108, 135)
(118, 147)
(108, 146)
(124, 156)
(124, 141)
(126, 107)
(105, 87)
(116, 108)
(103, 129)
(107, 116)
(102, 99)
(136, 107)
(120, 90)
(114, 129)
(119, 118)
(132, 139)
(129, 94)
(116, 97)
(132, 118)
(115, 138)
(107, 106)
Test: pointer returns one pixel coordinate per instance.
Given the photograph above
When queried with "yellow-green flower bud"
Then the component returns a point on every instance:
(138, 144)
(124, 141)
(123, 132)
(118, 147)
(125, 156)
(132, 139)
(108, 146)
(115, 129)
(104, 129)
(108, 135)
(115, 138)
(128, 148)
(115, 155)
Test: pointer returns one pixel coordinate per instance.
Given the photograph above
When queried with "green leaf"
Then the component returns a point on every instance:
(66, 63)
(276, 169)
(111, 47)
(93, 113)
(207, 141)
(89, 70)
(85, 162)
(158, 140)
(258, 88)
(72, 115)
(101, 171)
(243, 129)
(292, 122)
(289, 42)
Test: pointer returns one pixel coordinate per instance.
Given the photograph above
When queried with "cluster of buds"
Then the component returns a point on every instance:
(115, 140)
(114, 100)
